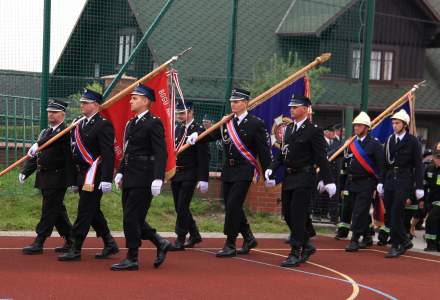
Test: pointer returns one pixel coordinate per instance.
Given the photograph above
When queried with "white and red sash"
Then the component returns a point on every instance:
(242, 149)
(88, 158)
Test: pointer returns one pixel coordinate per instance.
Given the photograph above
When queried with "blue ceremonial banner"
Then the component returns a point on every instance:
(276, 114)
(385, 128)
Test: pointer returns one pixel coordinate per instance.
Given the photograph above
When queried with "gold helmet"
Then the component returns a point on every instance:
(402, 115)
(363, 119)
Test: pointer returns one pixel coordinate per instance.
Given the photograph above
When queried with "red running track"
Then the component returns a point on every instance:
(198, 274)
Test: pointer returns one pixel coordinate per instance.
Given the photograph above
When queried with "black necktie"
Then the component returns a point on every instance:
(49, 131)
(295, 128)
(397, 140)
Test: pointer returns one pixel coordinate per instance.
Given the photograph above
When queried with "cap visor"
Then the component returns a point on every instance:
(53, 109)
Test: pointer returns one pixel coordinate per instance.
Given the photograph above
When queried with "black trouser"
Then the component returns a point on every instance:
(234, 195)
(433, 224)
(53, 213)
(135, 205)
(182, 194)
(361, 219)
(89, 214)
(395, 209)
(296, 204)
(347, 212)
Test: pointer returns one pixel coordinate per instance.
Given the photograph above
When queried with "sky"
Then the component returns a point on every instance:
(21, 31)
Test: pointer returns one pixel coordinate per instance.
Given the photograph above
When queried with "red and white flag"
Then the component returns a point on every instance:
(119, 114)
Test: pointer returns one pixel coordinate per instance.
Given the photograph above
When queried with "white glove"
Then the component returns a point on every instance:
(379, 189)
(267, 174)
(202, 186)
(106, 187)
(33, 150)
(21, 178)
(420, 194)
(192, 138)
(118, 180)
(270, 182)
(320, 187)
(331, 189)
(74, 189)
(156, 185)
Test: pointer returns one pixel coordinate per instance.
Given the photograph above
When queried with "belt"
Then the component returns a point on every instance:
(305, 169)
(139, 157)
(354, 177)
(400, 170)
(182, 168)
(235, 162)
(46, 169)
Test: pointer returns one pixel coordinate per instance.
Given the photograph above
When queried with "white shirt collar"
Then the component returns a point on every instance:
(56, 126)
(327, 140)
(298, 124)
(189, 123)
(400, 136)
(139, 116)
(362, 138)
(91, 117)
(241, 117)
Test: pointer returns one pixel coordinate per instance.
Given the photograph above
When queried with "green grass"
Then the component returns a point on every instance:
(21, 206)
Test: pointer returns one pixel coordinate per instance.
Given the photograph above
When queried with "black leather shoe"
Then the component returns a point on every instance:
(307, 251)
(71, 255)
(341, 234)
(353, 246)
(229, 249)
(179, 244)
(367, 241)
(293, 260)
(126, 265)
(164, 247)
(36, 247)
(395, 252)
(431, 246)
(110, 248)
(193, 240)
(67, 245)
(247, 246)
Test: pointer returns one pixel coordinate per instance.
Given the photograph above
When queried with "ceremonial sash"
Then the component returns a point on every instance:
(363, 158)
(88, 158)
(182, 140)
(242, 149)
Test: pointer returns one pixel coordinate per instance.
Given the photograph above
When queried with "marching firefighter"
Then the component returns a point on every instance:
(54, 166)
(402, 175)
(303, 148)
(192, 171)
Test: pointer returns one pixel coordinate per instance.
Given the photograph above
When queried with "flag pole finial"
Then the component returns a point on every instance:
(176, 57)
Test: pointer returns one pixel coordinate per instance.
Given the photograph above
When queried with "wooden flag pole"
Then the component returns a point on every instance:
(264, 96)
(105, 105)
(389, 110)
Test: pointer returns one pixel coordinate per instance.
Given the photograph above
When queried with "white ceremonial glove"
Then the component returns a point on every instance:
(379, 189)
(331, 189)
(420, 194)
(118, 180)
(74, 189)
(33, 150)
(21, 178)
(267, 174)
(202, 186)
(269, 183)
(156, 185)
(105, 187)
(192, 138)
(320, 187)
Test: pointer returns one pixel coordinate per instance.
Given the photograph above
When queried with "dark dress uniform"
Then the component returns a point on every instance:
(238, 174)
(144, 160)
(361, 186)
(97, 136)
(303, 149)
(54, 168)
(192, 166)
(402, 175)
(432, 183)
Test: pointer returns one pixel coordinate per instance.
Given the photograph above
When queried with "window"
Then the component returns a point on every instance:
(126, 44)
(381, 65)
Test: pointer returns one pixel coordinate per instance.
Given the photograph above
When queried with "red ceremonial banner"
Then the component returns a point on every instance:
(119, 114)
